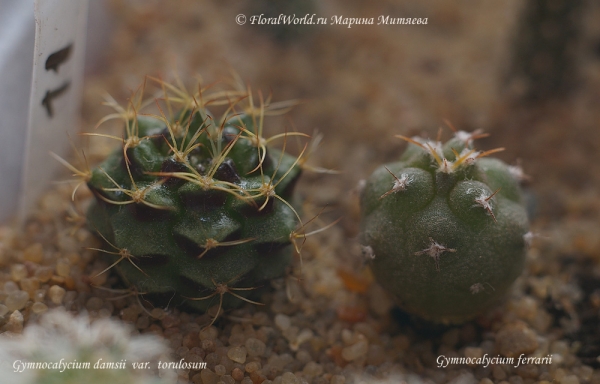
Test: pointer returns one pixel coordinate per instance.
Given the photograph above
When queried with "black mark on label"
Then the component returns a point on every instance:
(57, 58)
(50, 95)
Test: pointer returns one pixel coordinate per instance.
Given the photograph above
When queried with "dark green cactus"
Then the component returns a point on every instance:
(545, 48)
(445, 228)
(194, 209)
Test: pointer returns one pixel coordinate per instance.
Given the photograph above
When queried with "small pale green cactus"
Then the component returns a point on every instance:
(445, 228)
(197, 209)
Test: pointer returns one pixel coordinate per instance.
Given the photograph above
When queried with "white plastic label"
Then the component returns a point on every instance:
(55, 92)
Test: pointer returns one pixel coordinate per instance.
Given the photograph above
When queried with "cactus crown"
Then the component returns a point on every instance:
(196, 208)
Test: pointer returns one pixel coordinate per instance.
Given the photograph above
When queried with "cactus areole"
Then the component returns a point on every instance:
(196, 210)
(445, 228)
